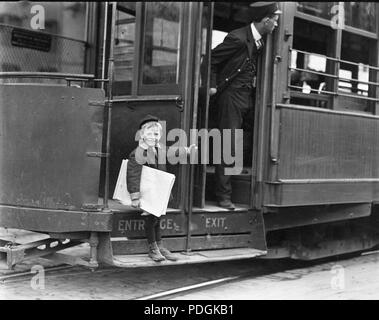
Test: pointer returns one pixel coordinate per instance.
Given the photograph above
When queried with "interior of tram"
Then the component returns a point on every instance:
(229, 16)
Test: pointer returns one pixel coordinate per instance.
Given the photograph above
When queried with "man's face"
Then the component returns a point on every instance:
(270, 23)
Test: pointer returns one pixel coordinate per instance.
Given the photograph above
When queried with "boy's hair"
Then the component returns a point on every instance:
(151, 124)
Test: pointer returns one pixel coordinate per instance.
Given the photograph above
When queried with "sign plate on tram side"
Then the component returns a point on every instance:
(31, 40)
(133, 225)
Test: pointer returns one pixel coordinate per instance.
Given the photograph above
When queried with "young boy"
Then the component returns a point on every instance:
(150, 132)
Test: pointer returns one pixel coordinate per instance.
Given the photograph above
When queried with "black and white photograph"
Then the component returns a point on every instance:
(204, 152)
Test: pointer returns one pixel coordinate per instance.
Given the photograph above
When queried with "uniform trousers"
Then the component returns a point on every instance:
(235, 108)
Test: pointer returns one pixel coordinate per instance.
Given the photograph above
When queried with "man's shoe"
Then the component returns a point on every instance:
(165, 252)
(154, 252)
(227, 204)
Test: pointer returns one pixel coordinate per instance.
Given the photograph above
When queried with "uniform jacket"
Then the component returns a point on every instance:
(228, 56)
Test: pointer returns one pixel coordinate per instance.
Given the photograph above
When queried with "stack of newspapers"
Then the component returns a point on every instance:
(155, 189)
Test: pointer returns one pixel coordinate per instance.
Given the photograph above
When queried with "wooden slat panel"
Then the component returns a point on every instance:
(316, 145)
(325, 157)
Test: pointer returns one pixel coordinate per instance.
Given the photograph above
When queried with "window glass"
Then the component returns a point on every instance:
(311, 44)
(359, 50)
(318, 9)
(161, 43)
(309, 82)
(57, 47)
(361, 15)
(124, 46)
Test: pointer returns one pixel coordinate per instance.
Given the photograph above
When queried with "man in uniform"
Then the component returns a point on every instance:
(233, 77)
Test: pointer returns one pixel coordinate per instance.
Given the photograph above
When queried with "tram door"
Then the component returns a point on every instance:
(154, 62)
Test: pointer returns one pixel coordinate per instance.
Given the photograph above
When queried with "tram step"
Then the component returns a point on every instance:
(142, 260)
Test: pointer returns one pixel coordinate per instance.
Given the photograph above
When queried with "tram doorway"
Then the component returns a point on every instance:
(219, 19)
(160, 76)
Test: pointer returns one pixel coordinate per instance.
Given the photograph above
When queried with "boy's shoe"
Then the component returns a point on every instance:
(154, 252)
(166, 253)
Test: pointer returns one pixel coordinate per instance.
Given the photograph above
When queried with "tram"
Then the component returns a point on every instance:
(77, 77)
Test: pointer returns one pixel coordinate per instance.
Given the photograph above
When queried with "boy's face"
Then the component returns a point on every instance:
(151, 134)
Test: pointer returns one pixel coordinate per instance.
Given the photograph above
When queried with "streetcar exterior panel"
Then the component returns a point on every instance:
(48, 136)
(311, 166)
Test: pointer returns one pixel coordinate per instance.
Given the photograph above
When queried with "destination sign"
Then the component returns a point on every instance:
(31, 39)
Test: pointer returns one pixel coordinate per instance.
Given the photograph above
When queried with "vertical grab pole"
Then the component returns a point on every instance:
(273, 151)
(104, 42)
(198, 37)
(109, 104)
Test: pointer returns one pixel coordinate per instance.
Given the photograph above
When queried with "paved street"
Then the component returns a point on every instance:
(348, 277)
(356, 278)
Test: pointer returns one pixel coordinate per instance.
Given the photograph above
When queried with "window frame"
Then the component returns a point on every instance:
(160, 89)
(136, 45)
(140, 90)
(337, 48)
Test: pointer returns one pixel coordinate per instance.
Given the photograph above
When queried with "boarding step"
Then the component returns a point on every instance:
(142, 260)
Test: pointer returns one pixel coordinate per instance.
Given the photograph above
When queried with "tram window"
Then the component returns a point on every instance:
(361, 15)
(355, 49)
(310, 47)
(347, 83)
(318, 9)
(358, 51)
(161, 43)
(124, 48)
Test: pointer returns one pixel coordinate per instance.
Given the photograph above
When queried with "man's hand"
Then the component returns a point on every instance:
(135, 203)
(212, 91)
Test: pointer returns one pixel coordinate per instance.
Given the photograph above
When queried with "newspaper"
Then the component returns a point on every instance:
(155, 189)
